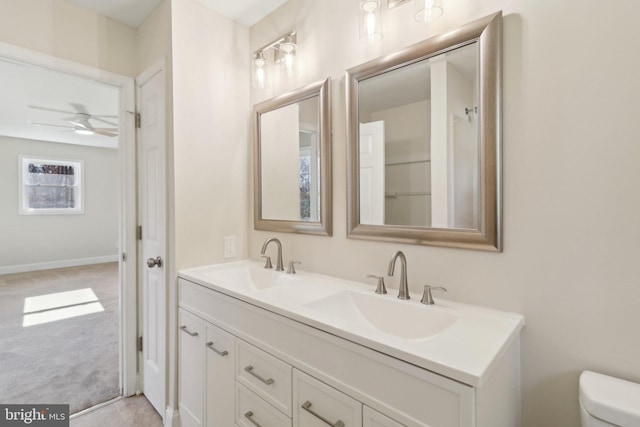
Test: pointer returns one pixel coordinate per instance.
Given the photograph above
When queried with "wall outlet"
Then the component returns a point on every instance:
(230, 246)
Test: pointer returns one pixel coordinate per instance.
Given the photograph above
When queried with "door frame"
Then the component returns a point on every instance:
(127, 217)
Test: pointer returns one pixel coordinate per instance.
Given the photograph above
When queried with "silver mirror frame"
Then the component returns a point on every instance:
(487, 32)
(324, 227)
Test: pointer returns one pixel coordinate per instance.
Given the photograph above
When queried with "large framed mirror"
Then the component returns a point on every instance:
(424, 139)
(292, 157)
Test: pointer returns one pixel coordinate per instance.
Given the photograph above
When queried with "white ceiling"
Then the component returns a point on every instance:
(29, 93)
(133, 12)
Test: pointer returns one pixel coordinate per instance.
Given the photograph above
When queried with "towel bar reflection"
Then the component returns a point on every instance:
(395, 195)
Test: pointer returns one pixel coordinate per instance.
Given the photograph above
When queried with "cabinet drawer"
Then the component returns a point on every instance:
(252, 411)
(318, 405)
(268, 377)
(373, 418)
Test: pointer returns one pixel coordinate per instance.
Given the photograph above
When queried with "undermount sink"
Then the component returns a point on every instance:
(249, 277)
(384, 314)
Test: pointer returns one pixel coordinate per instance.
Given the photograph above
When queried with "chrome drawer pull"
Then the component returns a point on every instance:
(184, 328)
(307, 407)
(267, 381)
(221, 353)
(249, 416)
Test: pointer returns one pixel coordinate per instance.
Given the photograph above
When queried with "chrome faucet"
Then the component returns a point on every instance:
(279, 265)
(403, 292)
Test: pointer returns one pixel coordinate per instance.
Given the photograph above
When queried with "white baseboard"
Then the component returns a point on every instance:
(11, 269)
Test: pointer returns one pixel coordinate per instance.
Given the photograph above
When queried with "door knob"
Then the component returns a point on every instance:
(151, 262)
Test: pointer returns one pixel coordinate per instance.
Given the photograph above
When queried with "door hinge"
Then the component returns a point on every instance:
(139, 344)
(138, 120)
(124, 257)
(139, 232)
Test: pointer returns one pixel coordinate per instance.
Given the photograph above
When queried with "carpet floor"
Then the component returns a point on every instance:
(59, 336)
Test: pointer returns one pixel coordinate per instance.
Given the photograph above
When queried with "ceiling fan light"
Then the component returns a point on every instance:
(83, 131)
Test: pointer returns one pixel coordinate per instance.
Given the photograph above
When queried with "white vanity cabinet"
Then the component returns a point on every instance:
(206, 373)
(290, 373)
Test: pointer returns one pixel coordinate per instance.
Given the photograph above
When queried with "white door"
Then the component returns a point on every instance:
(152, 219)
(372, 173)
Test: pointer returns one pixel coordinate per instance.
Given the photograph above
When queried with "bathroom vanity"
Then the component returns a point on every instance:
(264, 348)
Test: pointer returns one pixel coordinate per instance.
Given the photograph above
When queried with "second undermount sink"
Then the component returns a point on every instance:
(401, 319)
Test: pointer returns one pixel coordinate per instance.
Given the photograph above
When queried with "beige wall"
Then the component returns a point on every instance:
(153, 37)
(67, 31)
(33, 239)
(571, 198)
(211, 120)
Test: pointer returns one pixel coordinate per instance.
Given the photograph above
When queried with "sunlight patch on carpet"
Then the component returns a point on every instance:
(61, 305)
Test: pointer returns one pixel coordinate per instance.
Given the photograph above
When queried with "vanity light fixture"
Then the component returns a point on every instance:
(371, 15)
(427, 10)
(259, 71)
(281, 51)
(288, 53)
(370, 20)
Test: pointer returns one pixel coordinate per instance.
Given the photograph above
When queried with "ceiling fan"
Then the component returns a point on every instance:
(80, 123)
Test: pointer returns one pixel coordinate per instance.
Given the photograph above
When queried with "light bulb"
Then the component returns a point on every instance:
(288, 49)
(428, 10)
(370, 21)
(259, 74)
(82, 131)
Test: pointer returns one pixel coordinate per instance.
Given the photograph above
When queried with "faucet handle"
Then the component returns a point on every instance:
(292, 269)
(426, 295)
(267, 261)
(380, 289)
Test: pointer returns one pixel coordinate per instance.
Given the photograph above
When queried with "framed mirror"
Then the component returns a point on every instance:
(292, 171)
(424, 138)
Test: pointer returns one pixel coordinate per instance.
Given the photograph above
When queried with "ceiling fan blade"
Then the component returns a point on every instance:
(79, 108)
(35, 107)
(98, 119)
(112, 130)
(105, 133)
(48, 124)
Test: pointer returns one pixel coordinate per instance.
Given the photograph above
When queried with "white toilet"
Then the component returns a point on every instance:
(607, 401)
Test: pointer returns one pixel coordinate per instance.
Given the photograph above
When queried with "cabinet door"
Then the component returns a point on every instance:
(191, 370)
(373, 418)
(318, 405)
(220, 358)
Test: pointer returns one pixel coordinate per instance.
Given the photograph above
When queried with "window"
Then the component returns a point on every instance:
(50, 186)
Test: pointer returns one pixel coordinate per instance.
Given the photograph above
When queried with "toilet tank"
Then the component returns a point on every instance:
(609, 400)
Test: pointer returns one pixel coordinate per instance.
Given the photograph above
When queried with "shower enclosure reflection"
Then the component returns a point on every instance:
(419, 145)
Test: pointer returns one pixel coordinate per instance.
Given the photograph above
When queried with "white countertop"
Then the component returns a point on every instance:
(465, 351)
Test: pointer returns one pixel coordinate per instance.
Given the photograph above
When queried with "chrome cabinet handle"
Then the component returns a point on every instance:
(307, 407)
(249, 416)
(211, 347)
(184, 328)
(267, 381)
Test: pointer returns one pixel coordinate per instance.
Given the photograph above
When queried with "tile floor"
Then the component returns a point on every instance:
(135, 411)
